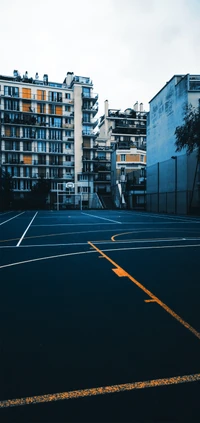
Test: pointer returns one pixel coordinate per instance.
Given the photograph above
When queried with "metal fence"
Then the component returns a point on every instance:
(173, 186)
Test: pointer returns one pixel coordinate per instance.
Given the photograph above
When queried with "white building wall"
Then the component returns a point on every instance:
(166, 113)
(78, 151)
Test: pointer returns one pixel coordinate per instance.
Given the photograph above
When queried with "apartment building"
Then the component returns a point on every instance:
(173, 178)
(124, 133)
(47, 130)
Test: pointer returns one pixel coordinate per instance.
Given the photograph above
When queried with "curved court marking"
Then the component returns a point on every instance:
(45, 258)
(136, 231)
(86, 252)
(113, 389)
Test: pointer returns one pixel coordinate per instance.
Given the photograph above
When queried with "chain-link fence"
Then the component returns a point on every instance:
(173, 186)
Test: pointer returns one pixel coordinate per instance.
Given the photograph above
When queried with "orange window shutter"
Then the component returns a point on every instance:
(58, 110)
(26, 92)
(7, 132)
(39, 95)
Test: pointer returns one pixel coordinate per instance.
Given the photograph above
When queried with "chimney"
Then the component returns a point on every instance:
(106, 115)
(135, 107)
(141, 107)
(69, 79)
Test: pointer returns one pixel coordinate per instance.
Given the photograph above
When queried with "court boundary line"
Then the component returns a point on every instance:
(103, 218)
(2, 223)
(22, 237)
(109, 389)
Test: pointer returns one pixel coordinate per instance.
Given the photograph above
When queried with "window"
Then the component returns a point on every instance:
(41, 108)
(86, 117)
(86, 130)
(41, 134)
(57, 122)
(84, 189)
(12, 91)
(11, 104)
(55, 96)
(86, 92)
(141, 158)
(41, 120)
(28, 132)
(55, 134)
(55, 147)
(68, 145)
(82, 177)
(68, 120)
(41, 147)
(67, 108)
(67, 95)
(123, 157)
(68, 133)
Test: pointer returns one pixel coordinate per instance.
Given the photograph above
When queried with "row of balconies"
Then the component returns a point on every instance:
(96, 159)
(36, 150)
(37, 163)
(86, 95)
(35, 97)
(32, 122)
(33, 138)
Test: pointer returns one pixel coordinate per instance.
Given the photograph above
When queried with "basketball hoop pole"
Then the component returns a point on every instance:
(57, 197)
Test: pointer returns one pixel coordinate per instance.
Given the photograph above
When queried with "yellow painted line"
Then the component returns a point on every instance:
(149, 293)
(124, 233)
(119, 272)
(149, 301)
(155, 383)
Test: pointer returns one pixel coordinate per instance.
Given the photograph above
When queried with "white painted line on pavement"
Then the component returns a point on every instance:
(103, 218)
(2, 223)
(26, 230)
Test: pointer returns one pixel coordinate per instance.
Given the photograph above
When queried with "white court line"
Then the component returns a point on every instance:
(75, 224)
(48, 245)
(104, 242)
(173, 218)
(104, 218)
(11, 218)
(26, 230)
(46, 258)
(2, 213)
(93, 251)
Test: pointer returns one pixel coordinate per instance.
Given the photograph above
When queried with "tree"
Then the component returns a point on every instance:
(40, 192)
(188, 135)
(5, 189)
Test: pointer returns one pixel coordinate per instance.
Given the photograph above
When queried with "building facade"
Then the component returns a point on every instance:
(172, 177)
(48, 131)
(124, 133)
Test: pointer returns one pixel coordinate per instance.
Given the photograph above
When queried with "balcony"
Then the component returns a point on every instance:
(89, 134)
(90, 96)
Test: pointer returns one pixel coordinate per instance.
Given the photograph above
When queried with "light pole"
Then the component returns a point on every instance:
(175, 182)
(158, 187)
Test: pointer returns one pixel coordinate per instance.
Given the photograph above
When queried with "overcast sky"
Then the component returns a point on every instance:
(129, 48)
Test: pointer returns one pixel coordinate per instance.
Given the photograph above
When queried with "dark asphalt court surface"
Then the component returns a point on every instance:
(100, 317)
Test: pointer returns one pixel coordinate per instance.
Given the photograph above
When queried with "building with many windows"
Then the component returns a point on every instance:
(48, 131)
(124, 133)
(173, 178)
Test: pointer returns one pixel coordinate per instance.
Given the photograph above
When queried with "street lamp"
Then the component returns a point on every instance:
(175, 183)
(158, 187)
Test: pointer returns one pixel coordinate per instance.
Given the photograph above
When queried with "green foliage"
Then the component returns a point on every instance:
(188, 135)
(42, 187)
(5, 189)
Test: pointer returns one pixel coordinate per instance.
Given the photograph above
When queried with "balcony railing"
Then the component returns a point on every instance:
(90, 95)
